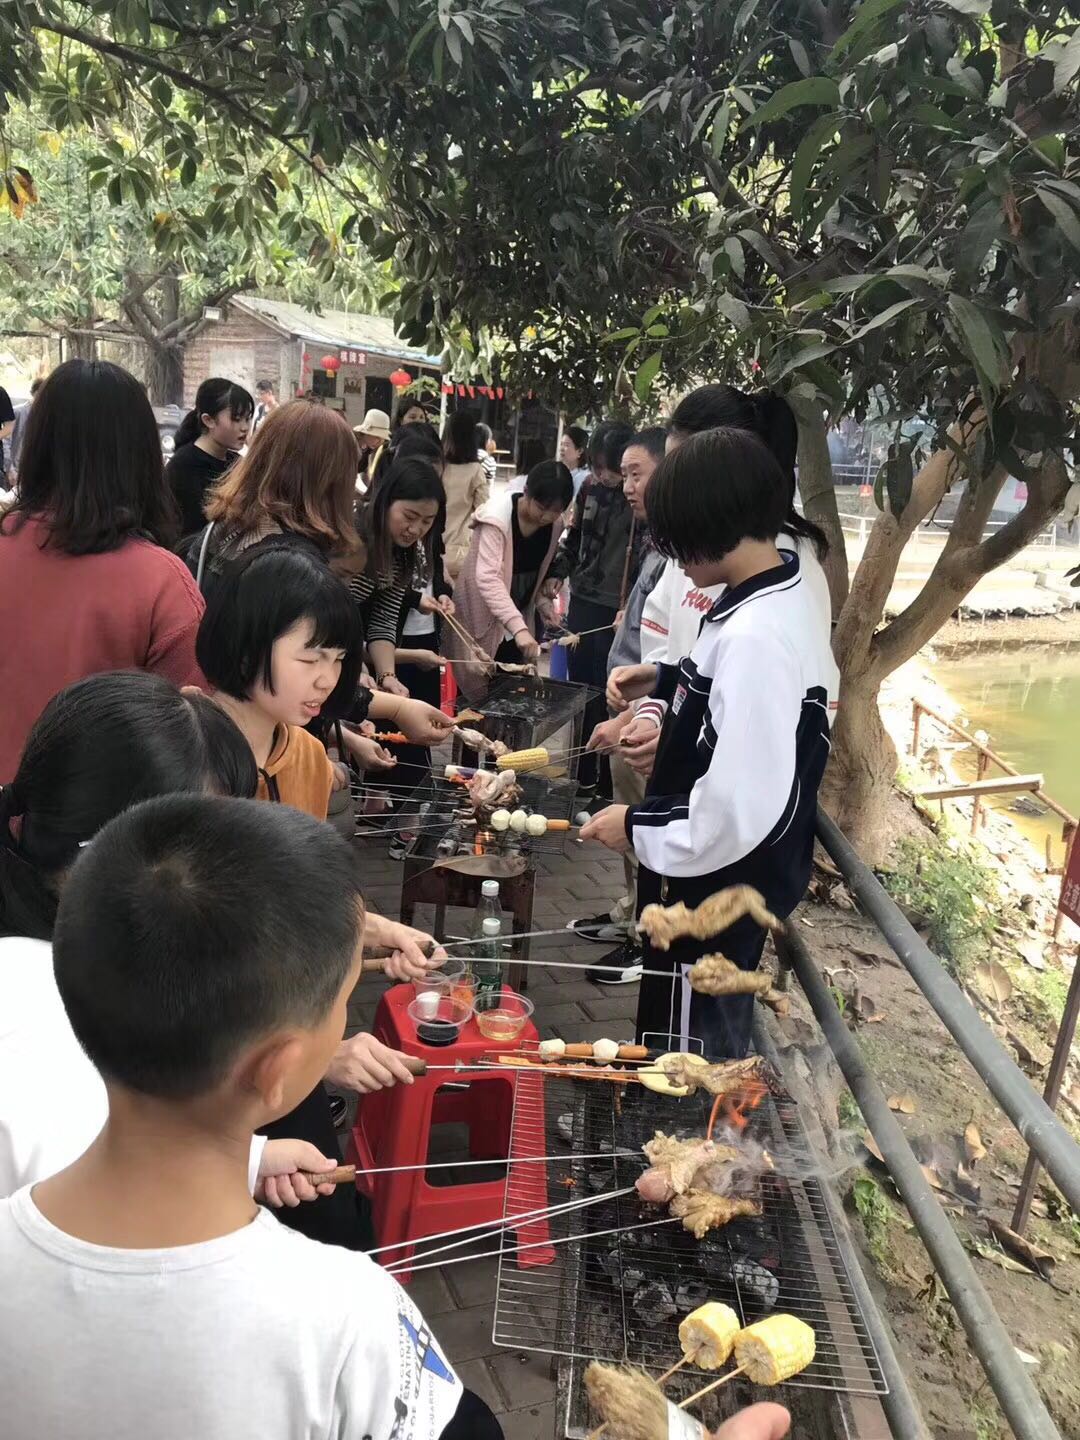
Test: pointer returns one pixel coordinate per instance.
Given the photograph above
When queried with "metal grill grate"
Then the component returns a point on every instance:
(624, 1274)
(440, 798)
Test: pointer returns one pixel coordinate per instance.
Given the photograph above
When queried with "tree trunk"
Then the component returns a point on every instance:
(79, 345)
(165, 374)
(862, 768)
(818, 491)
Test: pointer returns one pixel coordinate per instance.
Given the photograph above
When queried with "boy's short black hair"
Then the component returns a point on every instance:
(652, 439)
(261, 595)
(549, 484)
(192, 926)
(717, 489)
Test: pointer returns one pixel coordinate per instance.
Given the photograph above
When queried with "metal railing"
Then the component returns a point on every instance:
(1048, 1140)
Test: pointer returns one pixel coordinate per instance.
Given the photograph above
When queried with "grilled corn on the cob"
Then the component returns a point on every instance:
(774, 1349)
(707, 1335)
(535, 759)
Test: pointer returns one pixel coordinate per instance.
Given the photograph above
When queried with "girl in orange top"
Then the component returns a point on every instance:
(281, 643)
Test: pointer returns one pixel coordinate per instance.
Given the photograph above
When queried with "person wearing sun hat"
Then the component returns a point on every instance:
(371, 435)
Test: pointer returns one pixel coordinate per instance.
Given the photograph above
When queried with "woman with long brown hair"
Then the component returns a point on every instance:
(298, 479)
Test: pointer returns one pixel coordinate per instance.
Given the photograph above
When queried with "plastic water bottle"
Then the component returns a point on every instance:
(487, 965)
(488, 909)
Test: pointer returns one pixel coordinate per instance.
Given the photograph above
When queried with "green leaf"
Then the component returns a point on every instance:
(1053, 147)
(734, 252)
(817, 90)
(420, 36)
(884, 318)
(719, 134)
(464, 24)
(627, 333)
(1063, 213)
(823, 128)
(1066, 61)
(804, 356)
(733, 309)
(969, 7)
(899, 474)
(647, 373)
(868, 13)
(982, 338)
(746, 9)
(653, 313)
(453, 44)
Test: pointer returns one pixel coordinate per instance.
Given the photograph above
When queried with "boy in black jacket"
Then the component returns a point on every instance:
(745, 732)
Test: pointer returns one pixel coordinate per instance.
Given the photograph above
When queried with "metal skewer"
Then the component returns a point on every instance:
(509, 1222)
(540, 1244)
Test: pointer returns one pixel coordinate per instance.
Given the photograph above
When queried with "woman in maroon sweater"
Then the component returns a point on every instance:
(85, 584)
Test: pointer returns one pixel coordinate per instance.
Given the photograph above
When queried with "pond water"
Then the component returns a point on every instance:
(1028, 701)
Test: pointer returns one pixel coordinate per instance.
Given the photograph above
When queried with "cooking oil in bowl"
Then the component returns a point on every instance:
(501, 1014)
(500, 1024)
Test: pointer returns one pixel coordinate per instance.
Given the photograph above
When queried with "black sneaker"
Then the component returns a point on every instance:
(621, 966)
(601, 929)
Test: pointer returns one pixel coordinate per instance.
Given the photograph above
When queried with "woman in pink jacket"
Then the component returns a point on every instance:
(513, 543)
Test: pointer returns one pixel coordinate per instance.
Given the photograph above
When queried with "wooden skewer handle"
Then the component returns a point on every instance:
(343, 1175)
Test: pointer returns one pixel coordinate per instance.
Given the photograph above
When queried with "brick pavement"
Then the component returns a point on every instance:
(459, 1300)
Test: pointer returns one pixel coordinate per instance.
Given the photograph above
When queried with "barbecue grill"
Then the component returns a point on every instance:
(528, 710)
(625, 1274)
(553, 798)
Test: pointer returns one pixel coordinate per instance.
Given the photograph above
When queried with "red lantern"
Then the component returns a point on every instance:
(447, 388)
(331, 364)
(400, 378)
(461, 391)
(472, 391)
(499, 391)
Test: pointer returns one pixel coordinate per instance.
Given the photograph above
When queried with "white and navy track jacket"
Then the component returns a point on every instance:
(744, 743)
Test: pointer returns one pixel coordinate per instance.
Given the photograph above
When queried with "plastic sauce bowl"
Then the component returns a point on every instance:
(501, 1014)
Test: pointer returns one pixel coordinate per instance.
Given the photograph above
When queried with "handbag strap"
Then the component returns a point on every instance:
(203, 548)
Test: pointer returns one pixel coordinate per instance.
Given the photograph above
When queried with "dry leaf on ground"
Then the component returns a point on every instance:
(998, 1257)
(974, 1149)
(871, 1145)
(994, 980)
(1035, 1258)
(1031, 951)
(905, 1104)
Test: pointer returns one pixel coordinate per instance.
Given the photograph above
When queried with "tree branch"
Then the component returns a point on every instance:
(184, 80)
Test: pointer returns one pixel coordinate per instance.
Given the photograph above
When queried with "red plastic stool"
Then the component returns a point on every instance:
(393, 1129)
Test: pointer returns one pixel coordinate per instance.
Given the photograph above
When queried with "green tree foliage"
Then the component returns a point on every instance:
(876, 203)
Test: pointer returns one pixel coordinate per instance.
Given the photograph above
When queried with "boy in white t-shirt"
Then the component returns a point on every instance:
(205, 950)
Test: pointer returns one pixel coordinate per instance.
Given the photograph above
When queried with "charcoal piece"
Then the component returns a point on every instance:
(714, 1257)
(611, 1266)
(632, 1279)
(751, 1238)
(599, 1180)
(691, 1294)
(756, 1282)
(653, 1303)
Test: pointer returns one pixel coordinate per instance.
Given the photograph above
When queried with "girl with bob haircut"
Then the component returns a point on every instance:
(281, 646)
(85, 585)
(297, 480)
(745, 728)
(207, 442)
